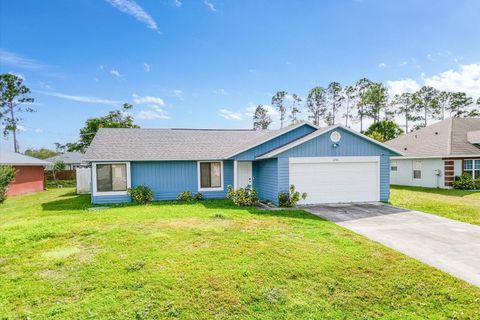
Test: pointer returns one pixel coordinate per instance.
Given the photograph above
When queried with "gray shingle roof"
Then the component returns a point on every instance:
(12, 158)
(444, 138)
(174, 144)
(67, 158)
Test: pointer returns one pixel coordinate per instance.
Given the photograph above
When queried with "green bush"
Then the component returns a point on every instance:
(7, 175)
(464, 182)
(141, 194)
(188, 196)
(198, 197)
(243, 196)
(290, 199)
(476, 184)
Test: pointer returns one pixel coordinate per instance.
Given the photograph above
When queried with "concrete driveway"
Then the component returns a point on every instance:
(446, 244)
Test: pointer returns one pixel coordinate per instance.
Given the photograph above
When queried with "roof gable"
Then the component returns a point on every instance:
(283, 137)
(310, 142)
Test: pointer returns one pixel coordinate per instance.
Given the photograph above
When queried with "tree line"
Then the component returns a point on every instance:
(334, 104)
(367, 100)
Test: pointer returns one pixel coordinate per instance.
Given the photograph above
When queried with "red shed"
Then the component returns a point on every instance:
(30, 173)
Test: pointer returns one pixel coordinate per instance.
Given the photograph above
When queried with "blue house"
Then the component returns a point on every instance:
(332, 164)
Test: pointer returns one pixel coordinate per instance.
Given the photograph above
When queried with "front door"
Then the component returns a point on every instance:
(244, 174)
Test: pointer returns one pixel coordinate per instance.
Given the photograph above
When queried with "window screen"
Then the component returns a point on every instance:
(417, 169)
(210, 174)
(111, 177)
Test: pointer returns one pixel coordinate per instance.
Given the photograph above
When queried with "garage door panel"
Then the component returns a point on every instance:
(329, 182)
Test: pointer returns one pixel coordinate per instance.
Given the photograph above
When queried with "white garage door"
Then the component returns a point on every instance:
(341, 179)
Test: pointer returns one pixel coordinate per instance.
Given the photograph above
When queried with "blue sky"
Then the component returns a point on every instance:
(206, 63)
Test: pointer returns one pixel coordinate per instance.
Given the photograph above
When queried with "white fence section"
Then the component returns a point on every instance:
(83, 180)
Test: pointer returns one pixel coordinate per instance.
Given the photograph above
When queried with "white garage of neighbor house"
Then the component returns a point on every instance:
(434, 155)
(331, 164)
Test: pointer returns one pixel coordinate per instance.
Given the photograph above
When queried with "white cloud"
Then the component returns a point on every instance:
(38, 130)
(210, 6)
(132, 8)
(15, 60)
(178, 94)
(177, 3)
(102, 67)
(21, 128)
(252, 70)
(466, 79)
(230, 115)
(400, 86)
(404, 63)
(289, 62)
(85, 99)
(146, 67)
(152, 114)
(382, 65)
(221, 92)
(271, 111)
(154, 105)
(148, 100)
(115, 73)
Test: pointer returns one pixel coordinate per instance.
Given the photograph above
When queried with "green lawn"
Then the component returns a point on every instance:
(454, 204)
(59, 260)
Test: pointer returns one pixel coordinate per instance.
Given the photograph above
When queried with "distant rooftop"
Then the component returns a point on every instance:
(450, 137)
(12, 158)
(67, 158)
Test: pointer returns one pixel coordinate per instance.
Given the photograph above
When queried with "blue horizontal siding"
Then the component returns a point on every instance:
(351, 145)
(285, 138)
(265, 179)
(168, 179)
(110, 199)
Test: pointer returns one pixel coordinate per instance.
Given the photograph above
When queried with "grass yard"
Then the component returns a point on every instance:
(454, 204)
(210, 259)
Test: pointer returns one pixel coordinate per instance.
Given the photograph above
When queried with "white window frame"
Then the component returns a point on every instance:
(222, 177)
(109, 193)
(474, 168)
(393, 164)
(413, 169)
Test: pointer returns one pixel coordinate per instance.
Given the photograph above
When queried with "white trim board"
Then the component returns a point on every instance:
(222, 177)
(320, 132)
(110, 193)
(271, 138)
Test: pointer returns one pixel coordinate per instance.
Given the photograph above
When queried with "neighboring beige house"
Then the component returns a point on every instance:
(434, 155)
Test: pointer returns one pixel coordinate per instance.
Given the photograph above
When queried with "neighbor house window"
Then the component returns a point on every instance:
(417, 169)
(393, 166)
(472, 167)
(210, 175)
(111, 177)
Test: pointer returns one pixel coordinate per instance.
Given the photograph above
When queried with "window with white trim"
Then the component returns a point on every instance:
(393, 166)
(417, 169)
(472, 167)
(111, 177)
(210, 175)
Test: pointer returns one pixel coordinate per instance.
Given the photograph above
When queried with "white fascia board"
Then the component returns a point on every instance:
(271, 138)
(317, 134)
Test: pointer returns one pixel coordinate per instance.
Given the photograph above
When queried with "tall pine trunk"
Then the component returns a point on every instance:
(14, 129)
